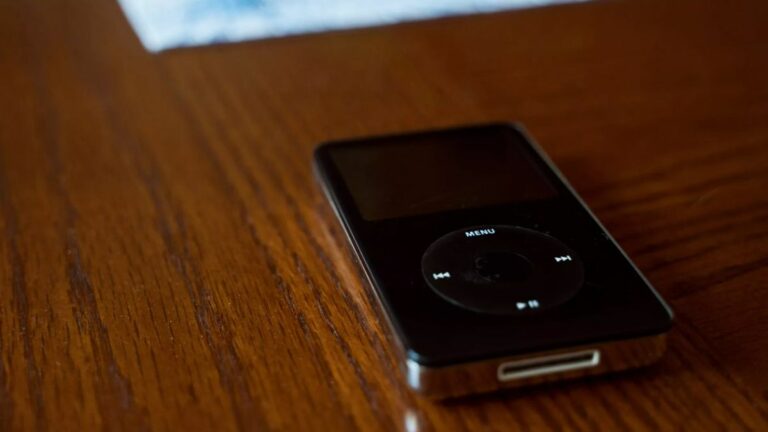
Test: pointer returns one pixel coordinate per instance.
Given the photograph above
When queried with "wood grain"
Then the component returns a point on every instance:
(168, 263)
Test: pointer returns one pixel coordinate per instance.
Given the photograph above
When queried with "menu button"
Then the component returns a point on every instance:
(480, 232)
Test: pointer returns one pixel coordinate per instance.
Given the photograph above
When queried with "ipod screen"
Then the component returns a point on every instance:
(429, 173)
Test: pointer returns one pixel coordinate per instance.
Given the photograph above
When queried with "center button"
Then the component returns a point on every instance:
(503, 266)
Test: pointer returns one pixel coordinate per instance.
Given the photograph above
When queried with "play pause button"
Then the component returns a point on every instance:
(530, 304)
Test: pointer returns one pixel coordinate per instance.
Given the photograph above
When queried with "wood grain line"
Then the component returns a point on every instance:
(695, 283)
(217, 334)
(701, 251)
(172, 229)
(227, 99)
(116, 403)
(223, 138)
(659, 199)
(711, 157)
(682, 230)
(692, 334)
(6, 397)
(712, 391)
(19, 290)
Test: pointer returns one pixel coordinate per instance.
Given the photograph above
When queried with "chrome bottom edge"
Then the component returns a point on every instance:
(488, 376)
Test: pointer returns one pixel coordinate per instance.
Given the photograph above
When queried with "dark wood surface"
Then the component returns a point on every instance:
(167, 261)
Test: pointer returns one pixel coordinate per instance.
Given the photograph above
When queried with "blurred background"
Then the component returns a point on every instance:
(172, 23)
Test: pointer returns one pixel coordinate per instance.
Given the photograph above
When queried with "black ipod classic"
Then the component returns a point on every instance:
(491, 270)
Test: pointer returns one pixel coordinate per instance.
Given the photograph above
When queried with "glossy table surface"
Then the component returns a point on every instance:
(167, 261)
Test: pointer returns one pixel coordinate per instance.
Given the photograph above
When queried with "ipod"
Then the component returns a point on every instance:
(489, 268)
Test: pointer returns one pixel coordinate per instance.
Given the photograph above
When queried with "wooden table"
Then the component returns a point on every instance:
(168, 262)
